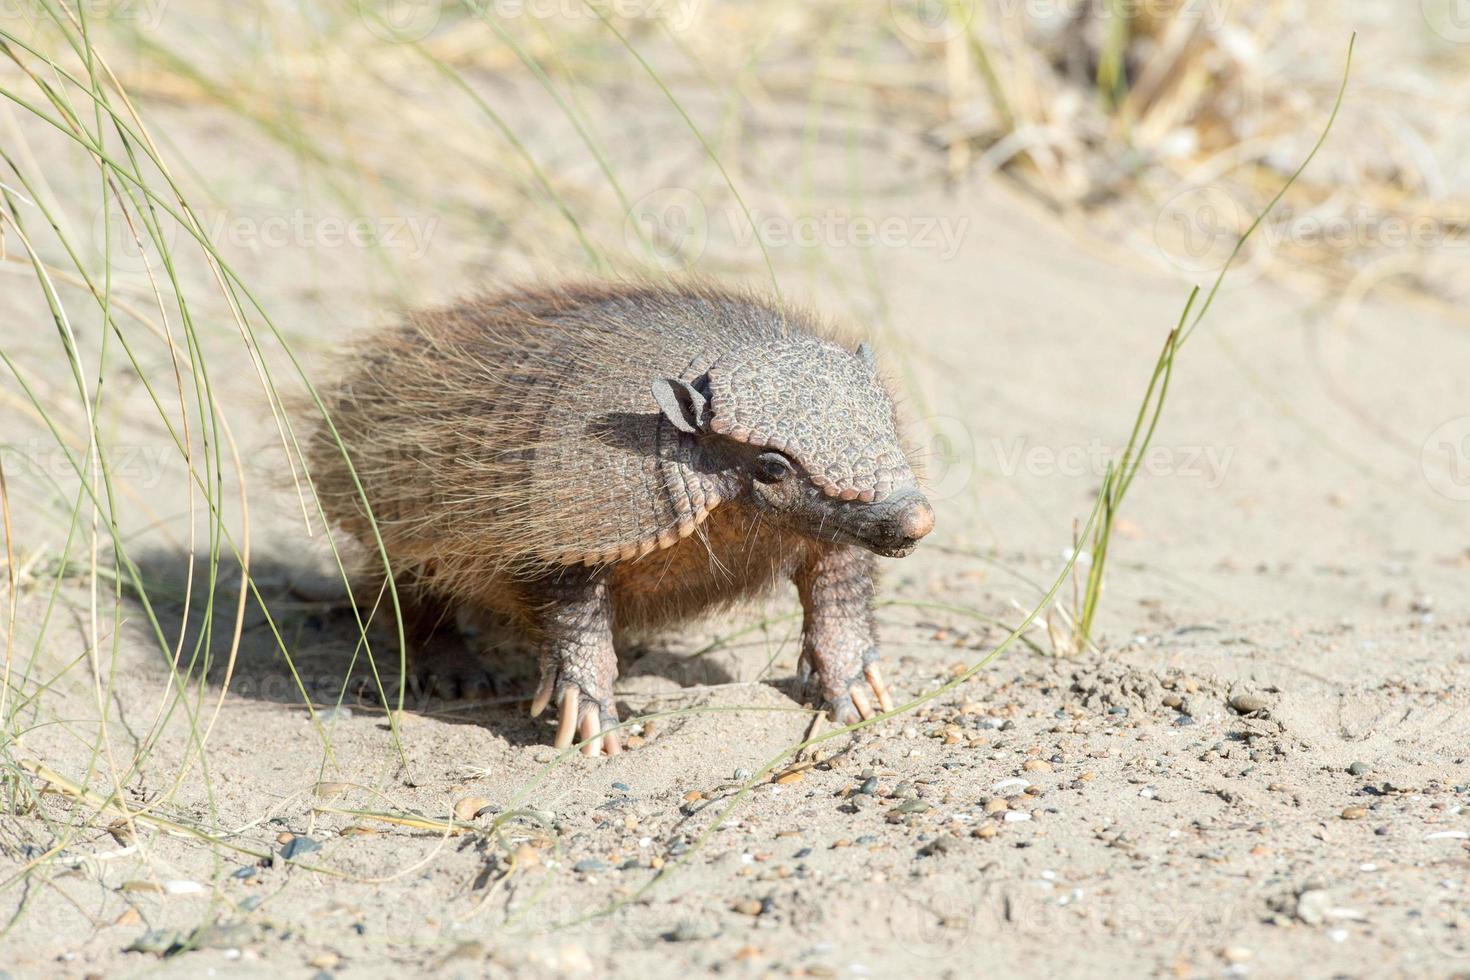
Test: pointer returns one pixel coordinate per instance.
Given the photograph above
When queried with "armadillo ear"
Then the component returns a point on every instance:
(866, 355)
(682, 404)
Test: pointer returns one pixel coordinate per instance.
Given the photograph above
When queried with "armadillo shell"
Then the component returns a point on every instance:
(519, 432)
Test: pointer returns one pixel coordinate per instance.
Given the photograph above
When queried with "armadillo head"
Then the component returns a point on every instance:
(807, 430)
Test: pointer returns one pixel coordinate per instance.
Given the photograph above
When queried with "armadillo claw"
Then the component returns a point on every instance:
(854, 704)
(875, 681)
(567, 727)
(586, 721)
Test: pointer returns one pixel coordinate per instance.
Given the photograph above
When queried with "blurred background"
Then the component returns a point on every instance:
(1014, 197)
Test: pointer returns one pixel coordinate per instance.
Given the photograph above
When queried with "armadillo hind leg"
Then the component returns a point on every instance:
(573, 625)
(441, 663)
(839, 651)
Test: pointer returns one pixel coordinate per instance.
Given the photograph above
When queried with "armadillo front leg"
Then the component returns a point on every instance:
(573, 627)
(839, 652)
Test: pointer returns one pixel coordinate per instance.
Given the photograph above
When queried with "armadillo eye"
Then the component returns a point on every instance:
(772, 467)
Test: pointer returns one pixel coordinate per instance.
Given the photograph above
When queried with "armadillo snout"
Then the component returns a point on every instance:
(894, 526)
(916, 519)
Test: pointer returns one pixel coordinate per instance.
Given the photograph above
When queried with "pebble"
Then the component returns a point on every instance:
(1359, 769)
(748, 906)
(180, 887)
(1354, 813)
(589, 866)
(939, 845)
(470, 807)
(1246, 704)
(1037, 765)
(996, 804)
(787, 778)
(1016, 816)
(1006, 786)
(1184, 721)
(869, 786)
(985, 831)
(297, 846)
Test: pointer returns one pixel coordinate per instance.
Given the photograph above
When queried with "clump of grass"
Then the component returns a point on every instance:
(1150, 412)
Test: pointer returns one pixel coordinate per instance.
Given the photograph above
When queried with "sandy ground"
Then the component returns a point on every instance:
(1263, 772)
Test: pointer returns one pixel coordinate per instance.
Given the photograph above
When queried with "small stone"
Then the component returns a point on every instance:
(1354, 813)
(1360, 769)
(329, 791)
(325, 961)
(298, 846)
(869, 786)
(470, 807)
(985, 831)
(1246, 704)
(996, 804)
(1036, 765)
(939, 845)
(693, 796)
(589, 866)
(1184, 721)
(748, 906)
(795, 776)
(1172, 700)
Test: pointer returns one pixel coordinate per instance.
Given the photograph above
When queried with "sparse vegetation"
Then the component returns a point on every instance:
(132, 496)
